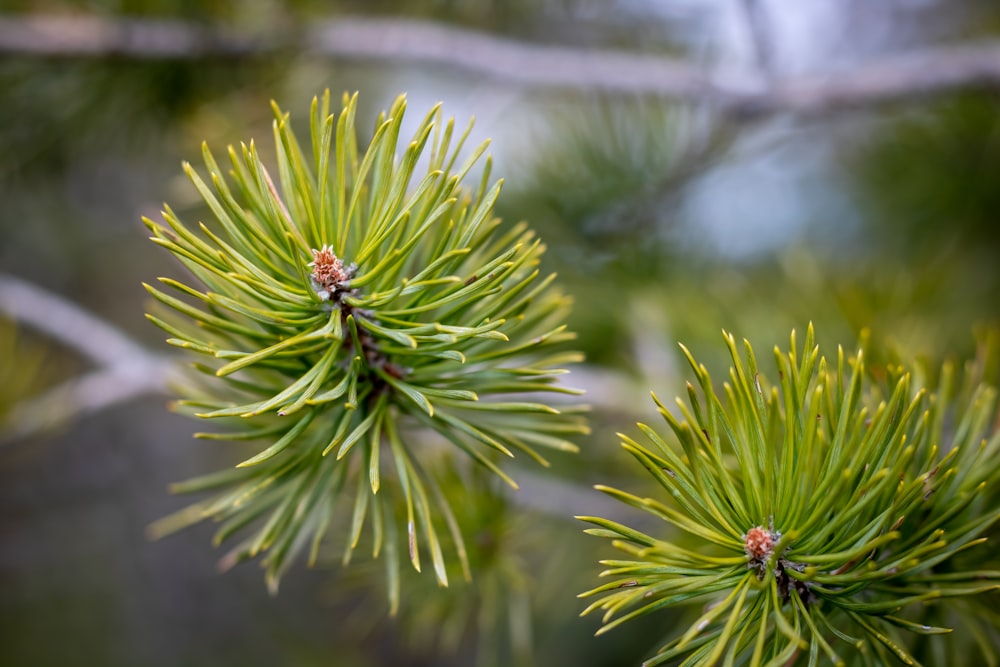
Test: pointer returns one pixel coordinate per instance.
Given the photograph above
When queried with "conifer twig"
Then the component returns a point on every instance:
(126, 370)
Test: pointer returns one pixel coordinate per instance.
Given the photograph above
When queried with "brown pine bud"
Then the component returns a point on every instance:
(328, 271)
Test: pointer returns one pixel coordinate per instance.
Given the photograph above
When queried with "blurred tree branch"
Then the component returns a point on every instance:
(760, 37)
(125, 369)
(916, 74)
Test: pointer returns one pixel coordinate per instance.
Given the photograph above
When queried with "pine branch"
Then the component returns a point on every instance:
(811, 501)
(932, 71)
(128, 371)
(347, 314)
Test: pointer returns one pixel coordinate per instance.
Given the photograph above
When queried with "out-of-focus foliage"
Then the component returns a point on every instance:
(606, 184)
(22, 372)
(90, 109)
(952, 184)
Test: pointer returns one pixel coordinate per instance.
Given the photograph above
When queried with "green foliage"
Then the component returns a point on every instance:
(909, 198)
(345, 317)
(824, 509)
(23, 372)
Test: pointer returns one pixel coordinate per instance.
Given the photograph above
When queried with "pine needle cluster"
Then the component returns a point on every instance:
(351, 317)
(816, 516)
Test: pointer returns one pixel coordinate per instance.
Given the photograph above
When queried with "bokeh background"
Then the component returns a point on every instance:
(668, 217)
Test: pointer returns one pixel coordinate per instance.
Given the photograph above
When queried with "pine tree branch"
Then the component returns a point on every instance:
(917, 74)
(126, 370)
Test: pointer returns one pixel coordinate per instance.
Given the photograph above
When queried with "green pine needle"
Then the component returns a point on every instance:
(810, 506)
(343, 308)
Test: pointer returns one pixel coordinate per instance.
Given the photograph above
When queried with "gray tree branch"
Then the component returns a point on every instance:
(760, 36)
(125, 369)
(522, 64)
(66, 322)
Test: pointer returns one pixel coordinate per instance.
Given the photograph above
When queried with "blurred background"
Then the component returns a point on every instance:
(748, 165)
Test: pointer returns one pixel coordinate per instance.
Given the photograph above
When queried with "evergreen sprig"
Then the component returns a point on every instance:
(369, 300)
(821, 513)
